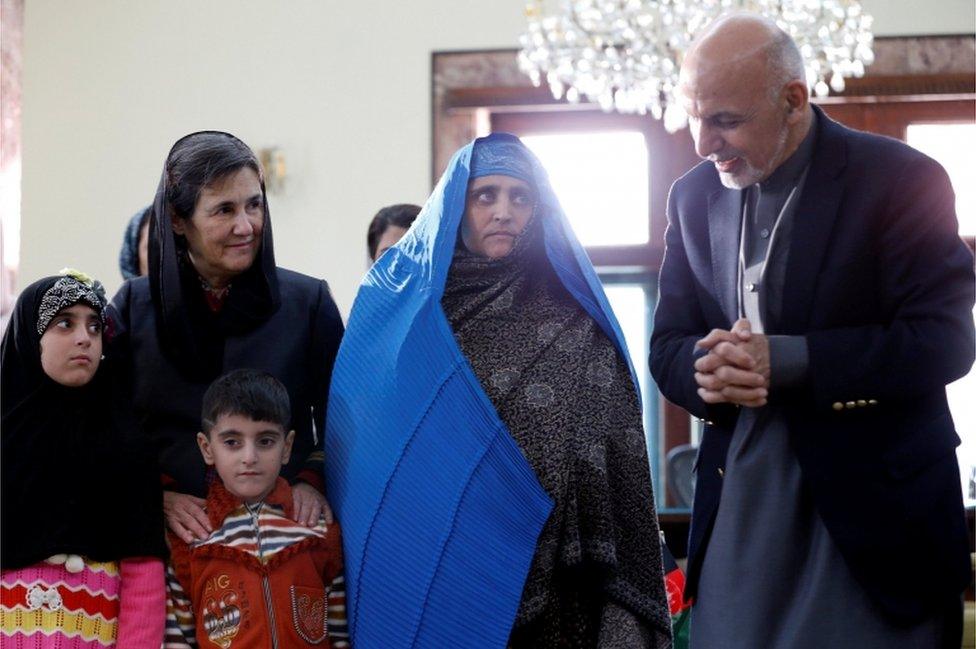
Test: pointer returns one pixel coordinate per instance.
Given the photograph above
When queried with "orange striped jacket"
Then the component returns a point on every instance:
(259, 580)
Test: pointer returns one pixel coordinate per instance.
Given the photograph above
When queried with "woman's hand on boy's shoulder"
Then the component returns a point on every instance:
(186, 516)
(309, 505)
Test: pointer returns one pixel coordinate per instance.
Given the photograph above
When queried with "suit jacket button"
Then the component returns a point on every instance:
(849, 405)
(721, 472)
(838, 405)
(861, 403)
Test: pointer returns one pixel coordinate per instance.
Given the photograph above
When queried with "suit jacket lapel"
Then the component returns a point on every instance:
(724, 227)
(813, 222)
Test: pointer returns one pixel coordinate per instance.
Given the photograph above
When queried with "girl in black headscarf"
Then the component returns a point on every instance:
(81, 511)
(214, 301)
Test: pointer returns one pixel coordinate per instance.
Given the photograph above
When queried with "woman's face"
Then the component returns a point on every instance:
(497, 210)
(224, 233)
(71, 346)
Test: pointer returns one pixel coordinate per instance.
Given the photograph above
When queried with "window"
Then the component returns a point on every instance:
(601, 178)
(601, 181)
(611, 173)
(631, 299)
(613, 188)
(952, 145)
(963, 410)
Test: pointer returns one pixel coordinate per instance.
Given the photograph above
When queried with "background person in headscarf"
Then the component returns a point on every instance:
(548, 542)
(82, 524)
(134, 255)
(388, 226)
(214, 301)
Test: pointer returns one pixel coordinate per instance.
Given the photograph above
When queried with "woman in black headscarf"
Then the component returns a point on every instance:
(214, 301)
(81, 505)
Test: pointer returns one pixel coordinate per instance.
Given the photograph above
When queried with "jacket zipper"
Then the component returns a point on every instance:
(271, 615)
(269, 606)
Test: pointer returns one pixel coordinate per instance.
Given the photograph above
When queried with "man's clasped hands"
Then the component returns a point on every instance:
(733, 366)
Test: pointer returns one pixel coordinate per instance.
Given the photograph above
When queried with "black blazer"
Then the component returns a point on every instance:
(297, 344)
(882, 287)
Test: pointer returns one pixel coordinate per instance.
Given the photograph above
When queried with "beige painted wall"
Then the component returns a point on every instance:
(342, 87)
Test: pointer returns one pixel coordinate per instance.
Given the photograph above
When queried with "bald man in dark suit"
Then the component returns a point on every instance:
(815, 300)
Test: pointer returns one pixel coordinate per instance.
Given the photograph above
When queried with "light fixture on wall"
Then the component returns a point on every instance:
(625, 54)
(275, 171)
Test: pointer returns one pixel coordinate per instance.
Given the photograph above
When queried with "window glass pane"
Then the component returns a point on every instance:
(629, 302)
(963, 409)
(952, 145)
(601, 180)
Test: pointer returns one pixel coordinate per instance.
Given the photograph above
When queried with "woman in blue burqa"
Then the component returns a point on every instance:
(485, 450)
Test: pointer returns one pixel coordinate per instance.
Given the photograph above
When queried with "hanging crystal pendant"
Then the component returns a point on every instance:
(625, 54)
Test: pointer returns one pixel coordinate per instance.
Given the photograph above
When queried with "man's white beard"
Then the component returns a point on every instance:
(742, 179)
(751, 174)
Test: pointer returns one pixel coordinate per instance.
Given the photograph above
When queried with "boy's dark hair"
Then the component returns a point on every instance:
(254, 394)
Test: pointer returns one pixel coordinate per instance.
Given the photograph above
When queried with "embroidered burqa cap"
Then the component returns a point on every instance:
(501, 157)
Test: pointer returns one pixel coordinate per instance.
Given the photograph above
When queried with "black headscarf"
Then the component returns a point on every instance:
(192, 336)
(72, 481)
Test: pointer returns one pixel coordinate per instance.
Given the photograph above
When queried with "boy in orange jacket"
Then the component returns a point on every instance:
(260, 579)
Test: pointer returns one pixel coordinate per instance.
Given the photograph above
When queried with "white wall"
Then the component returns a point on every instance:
(914, 17)
(342, 87)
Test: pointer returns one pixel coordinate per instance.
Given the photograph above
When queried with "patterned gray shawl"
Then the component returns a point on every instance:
(567, 397)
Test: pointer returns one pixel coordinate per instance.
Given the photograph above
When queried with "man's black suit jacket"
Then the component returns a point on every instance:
(881, 285)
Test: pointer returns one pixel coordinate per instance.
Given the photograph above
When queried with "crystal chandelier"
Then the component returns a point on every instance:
(626, 54)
